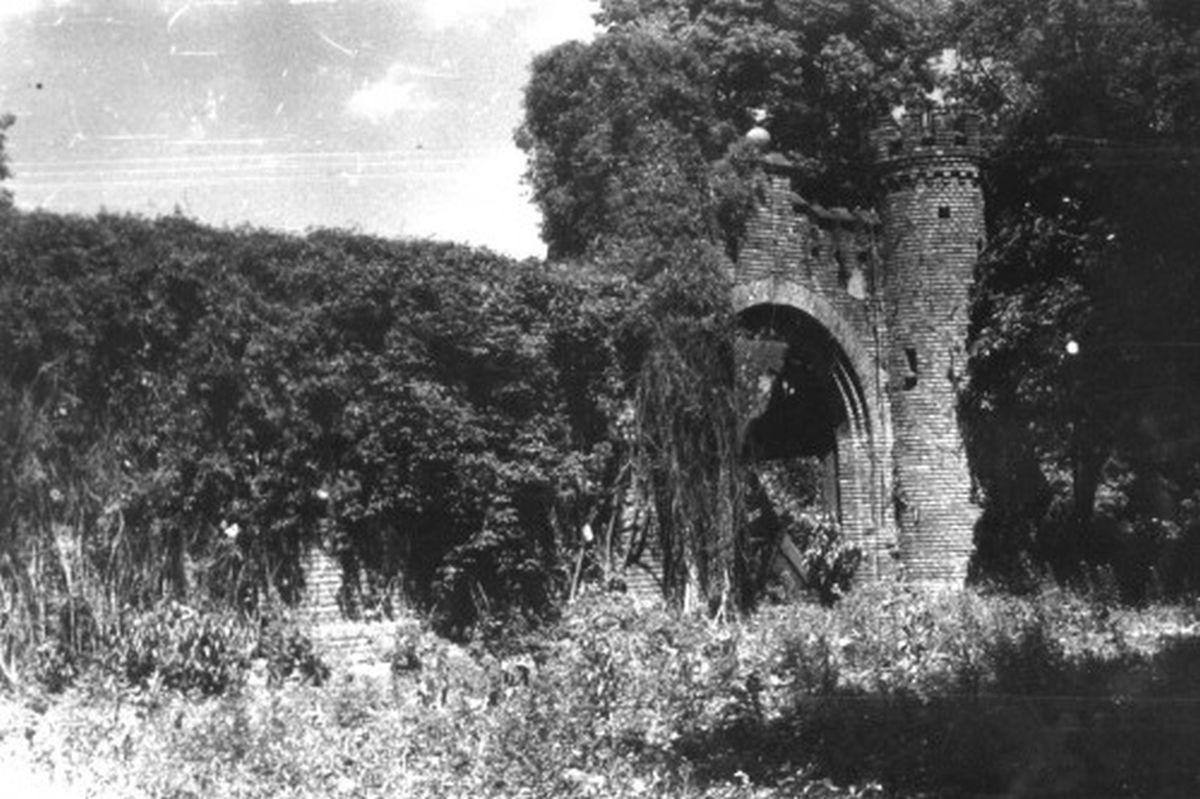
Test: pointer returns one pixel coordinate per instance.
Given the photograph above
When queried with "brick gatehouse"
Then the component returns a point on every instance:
(854, 353)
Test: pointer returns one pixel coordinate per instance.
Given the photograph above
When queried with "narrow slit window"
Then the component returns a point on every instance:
(910, 357)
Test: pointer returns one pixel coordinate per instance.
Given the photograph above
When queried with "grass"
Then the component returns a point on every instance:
(894, 692)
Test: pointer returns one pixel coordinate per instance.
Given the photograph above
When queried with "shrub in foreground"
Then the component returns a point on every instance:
(894, 692)
(203, 650)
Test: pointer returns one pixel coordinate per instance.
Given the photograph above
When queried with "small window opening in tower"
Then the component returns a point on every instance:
(978, 245)
(843, 274)
(943, 212)
(895, 146)
(960, 132)
(815, 251)
(910, 379)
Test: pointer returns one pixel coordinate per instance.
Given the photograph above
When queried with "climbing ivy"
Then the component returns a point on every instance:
(186, 409)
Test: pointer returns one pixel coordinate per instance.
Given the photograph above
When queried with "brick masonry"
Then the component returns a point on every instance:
(322, 584)
(891, 286)
(343, 643)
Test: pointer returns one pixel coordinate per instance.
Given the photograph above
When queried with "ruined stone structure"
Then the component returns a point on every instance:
(855, 325)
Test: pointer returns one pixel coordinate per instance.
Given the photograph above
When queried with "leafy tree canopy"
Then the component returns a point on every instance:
(622, 133)
(1091, 192)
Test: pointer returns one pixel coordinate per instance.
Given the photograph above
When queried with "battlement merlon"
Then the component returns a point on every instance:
(924, 135)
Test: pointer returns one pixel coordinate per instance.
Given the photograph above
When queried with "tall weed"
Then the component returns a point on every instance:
(894, 692)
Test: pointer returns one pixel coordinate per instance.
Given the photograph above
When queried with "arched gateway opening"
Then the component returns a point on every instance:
(809, 430)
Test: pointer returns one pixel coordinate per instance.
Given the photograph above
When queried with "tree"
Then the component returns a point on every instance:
(617, 138)
(629, 128)
(824, 72)
(1090, 192)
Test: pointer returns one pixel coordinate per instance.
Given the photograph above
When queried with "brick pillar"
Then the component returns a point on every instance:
(323, 581)
(932, 211)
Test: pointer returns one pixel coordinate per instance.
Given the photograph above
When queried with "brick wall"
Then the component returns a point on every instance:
(322, 582)
(831, 252)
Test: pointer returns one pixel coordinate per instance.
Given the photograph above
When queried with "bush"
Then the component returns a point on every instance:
(183, 649)
(288, 651)
(829, 563)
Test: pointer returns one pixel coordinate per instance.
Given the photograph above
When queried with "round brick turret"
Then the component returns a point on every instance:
(933, 229)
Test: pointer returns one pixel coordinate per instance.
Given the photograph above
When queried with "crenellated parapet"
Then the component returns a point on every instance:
(920, 135)
(831, 250)
(939, 145)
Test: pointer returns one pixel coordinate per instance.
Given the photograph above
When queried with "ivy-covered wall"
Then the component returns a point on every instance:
(190, 410)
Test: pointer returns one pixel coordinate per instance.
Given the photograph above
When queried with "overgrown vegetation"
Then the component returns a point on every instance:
(1082, 431)
(184, 411)
(892, 693)
(1085, 461)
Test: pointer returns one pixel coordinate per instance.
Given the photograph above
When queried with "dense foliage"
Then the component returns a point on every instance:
(1083, 432)
(893, 693)
(641, 129)
(188, 410)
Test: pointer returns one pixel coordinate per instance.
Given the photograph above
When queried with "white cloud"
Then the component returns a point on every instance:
(453, 13)
(483, 204)
(559, 21)
(393, 94)
(15, 8)
(545, 22)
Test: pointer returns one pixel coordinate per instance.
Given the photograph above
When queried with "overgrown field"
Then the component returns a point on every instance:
(894, 692)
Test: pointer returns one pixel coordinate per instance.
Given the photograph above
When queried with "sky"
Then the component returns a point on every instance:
(392, 117)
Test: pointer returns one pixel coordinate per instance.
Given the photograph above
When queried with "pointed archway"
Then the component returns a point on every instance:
(813, 413)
